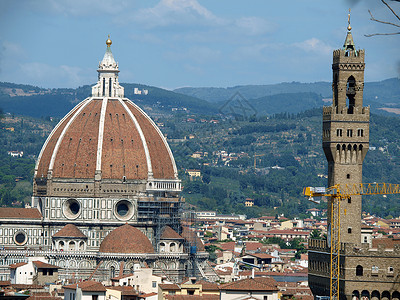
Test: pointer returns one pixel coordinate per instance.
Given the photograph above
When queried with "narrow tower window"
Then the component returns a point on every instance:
(359, 270)
(339, 132)
(350, 132)
(351, 93)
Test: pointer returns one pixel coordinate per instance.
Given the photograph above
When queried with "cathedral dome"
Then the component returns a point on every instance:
(126, 239)
(111, 137)
(106, 136)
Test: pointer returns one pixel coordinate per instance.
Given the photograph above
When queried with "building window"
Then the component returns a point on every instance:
(359, 270)
(360, 132)
(339, 132)
(349, 230)
(350, 132)
(365, 239)
(375, 269)
(348, 176)
(112, 272)
(349, 200)
(390, 269)
(154, 284)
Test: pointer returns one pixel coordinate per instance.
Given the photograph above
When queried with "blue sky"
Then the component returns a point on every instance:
(176, 43)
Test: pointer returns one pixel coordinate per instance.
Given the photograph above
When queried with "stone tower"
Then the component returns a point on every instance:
(346, 132)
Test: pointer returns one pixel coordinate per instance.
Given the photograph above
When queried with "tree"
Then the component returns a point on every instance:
(386, 22)
(316, 234)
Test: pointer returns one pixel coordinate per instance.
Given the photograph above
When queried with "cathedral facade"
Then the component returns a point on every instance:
(105, 194)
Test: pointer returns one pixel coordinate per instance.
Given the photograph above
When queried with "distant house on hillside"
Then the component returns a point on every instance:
(15, 153)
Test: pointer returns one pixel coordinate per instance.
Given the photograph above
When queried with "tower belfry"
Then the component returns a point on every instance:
(346, 132)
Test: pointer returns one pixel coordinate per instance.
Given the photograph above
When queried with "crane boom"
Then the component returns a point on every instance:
(337, 193)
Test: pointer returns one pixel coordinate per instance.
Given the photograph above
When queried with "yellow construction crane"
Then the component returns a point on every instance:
(255, 159)
(337, 193)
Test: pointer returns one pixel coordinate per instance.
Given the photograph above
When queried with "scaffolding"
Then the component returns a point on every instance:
(189, 233)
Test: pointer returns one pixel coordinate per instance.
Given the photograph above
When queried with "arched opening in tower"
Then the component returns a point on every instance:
(350, 93)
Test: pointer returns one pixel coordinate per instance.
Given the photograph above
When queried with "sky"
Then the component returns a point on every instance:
(197, 43)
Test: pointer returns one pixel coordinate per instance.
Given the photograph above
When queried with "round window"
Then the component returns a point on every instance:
(123, 210)
(71, 208)
(74, 208)
(20, 238)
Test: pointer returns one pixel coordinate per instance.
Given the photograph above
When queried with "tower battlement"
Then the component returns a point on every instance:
(343, 55)
(332, 112)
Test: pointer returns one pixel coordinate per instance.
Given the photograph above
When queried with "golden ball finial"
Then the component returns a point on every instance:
(108, 42)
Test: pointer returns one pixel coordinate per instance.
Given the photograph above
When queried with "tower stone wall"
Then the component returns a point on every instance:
(346, 134)
(365, 272)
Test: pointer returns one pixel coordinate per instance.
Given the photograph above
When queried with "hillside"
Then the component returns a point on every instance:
(37, 102)
(295, 97)
(286, 149)
(382, 94)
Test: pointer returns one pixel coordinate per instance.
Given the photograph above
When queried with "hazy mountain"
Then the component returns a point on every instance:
(383, 92)
(34, 101)
(294, 97)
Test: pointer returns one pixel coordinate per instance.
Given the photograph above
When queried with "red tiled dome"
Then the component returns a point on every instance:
(70, 230)
(126, 239)
(108, 136)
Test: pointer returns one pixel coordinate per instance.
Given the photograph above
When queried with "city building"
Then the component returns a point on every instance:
(105, 195)
(366, 271)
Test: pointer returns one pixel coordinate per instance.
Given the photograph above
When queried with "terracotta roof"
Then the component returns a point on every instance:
(4, 283)
(127, 131)
(40, 264)
(17, 265)
(250, 246)
(169, 234)
(69, 230)
(251, 284)
(126, 239)
(122, 277)
(208, 286)
(169, 286)
(189, 234)
(21, 286)
(147, 295)
(87, 286)
(43, 297)
(387, 243)
(260, 255)
(125, 290)
(193, 297)
(19, 213)
(228, 246)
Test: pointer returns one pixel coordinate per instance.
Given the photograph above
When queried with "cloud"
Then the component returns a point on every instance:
(37, 73)
(83, 8)
(314, 45)
(256, 52)
(175, 12)
(254, 25)
(9, 53)
(13, 49)
(199, 55)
